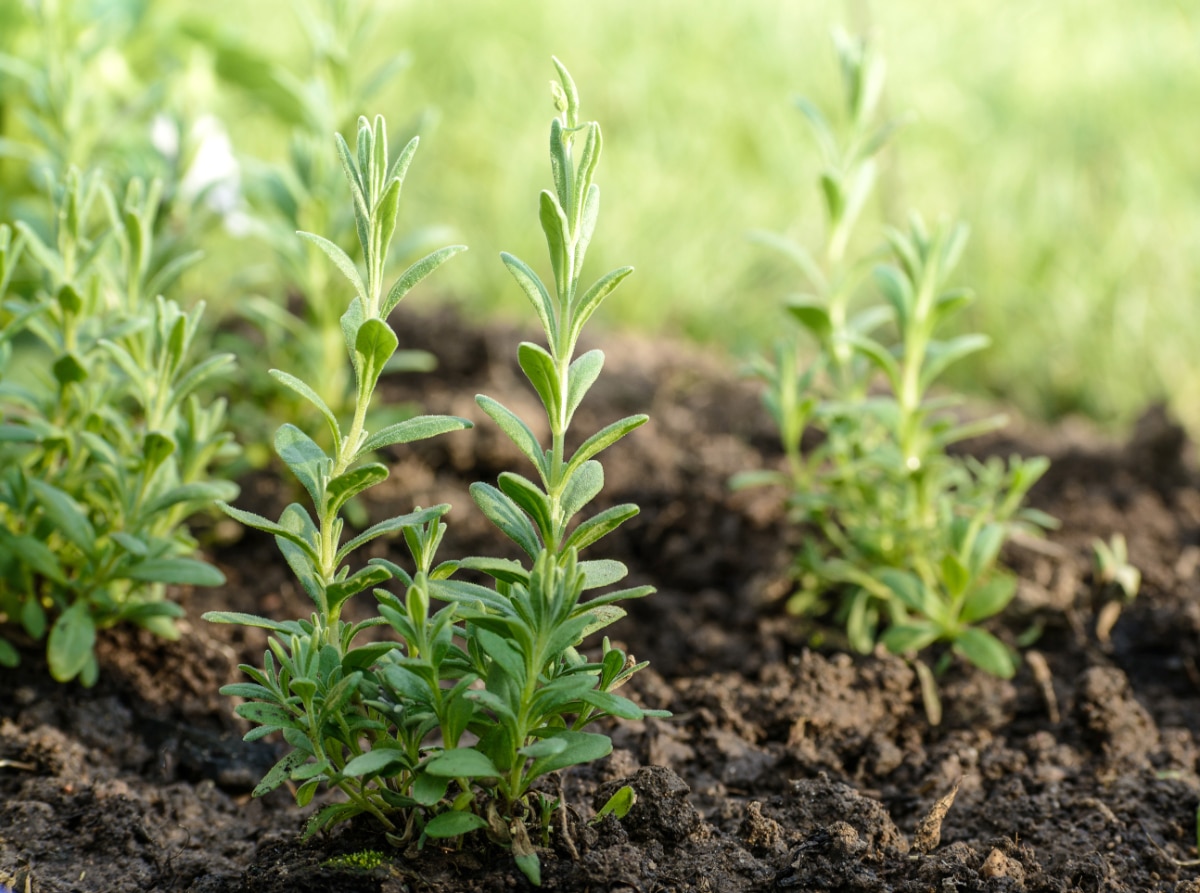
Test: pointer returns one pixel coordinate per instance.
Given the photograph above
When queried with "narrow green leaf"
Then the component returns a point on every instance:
(602, 572)
(410, 430)
(554, 224)
(411, 277)
(813, 316)
(346, 486)
(911, 638)
(312, 397)
(66, 515)
(517, 431)
(453, 824)
(539, 368)
(504, 513)
(531, 499)
(537, 293)
(287, 627)
(392, 525)
(599, 526)
(373, 347)
(184, 571)
(305, 459)
(341, 259)
(986, 652)
(375, 762)
(988, 599)
(581, 375)
(280, 772)
(364, 578)
(582, 747)
(462, 762)
(603, 439)
(71, 641)
(258, 522)
(584, 484)
(595, 295)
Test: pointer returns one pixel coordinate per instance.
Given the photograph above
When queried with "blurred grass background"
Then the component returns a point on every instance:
(1065, 134)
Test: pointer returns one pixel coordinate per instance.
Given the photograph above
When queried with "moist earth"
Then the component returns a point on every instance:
(789, 764)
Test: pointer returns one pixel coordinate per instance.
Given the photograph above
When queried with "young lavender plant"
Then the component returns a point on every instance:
(909, 534)
(106, 444)
(317, 687)
(540, 693)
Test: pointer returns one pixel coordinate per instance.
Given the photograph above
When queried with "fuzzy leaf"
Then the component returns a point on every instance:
(530, 498)
(364, 578)
(539, 368)
(305, 459)
(341, 259)
(414, 274)
(581, 375)
(258, 522)
(603, 439)
(504, 513)
(599, 526)
(582, 747)
(312, 397)
(537, 293)
(346, 486)
(518, 432)
(375, 762)
(392, 525)
(410, 430)
(374, 345)
(557, 230)
(280, 772)
(595, 295)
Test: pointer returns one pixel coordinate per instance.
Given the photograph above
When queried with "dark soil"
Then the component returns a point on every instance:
(785, 767)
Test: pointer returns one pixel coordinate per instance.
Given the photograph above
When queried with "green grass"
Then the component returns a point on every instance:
(1063, 133)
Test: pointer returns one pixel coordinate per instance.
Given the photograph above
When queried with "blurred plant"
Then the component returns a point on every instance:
(299, 319)
(1113, 576)
(909, 534)
(446, 730)
(106, 445)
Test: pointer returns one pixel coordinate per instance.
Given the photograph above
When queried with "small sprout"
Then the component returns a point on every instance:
(618, 804)
(1113, 574)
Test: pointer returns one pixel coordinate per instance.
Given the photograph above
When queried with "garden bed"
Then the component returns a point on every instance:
(786, 765)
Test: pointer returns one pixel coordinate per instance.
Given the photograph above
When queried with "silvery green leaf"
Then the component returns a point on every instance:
(415, 273)
(341, 259)
(582, 747)
(581, 375)
(375, 762)
(305, 459)
(600, 525)
(603, 439)
(391, 525)
(504, 513)
(602, 572)
(362, 579)
(418, 428)
(536, 291)
(594, 296)
(346, 486)
(374, 344)
(258, 522)
(531, 499)
(557, 230)
(518, 432)
(312, 397)
(539, 368)
(560, 164)
(584, 484)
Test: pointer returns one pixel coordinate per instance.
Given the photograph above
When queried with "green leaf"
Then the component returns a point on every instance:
(584, 485)
(941, 354)
(599, 526)
(955, 575)
(9, 656)
(557, 230)
(530, 498)
(539, 368)
(392, 525)
(881, 357)
(280, 772)
(69, 369)
(186, 571)
(364, 578)
(374, 345)
(913, 593)
(291, 381)
(504, 513)
(375, 762)
(986, 652)
(517, 431)
(306, 460)
(582, 747)
(35, 555)
(619, 804)
(341, 259)
(66, 516)
(504, 655)
(603, 572)
(453, 824)
(288, 627)
(594, 296)
(603, 439)
(913, 637)
(346, 486)
(427, 789)
(414, 274)
(581, 375)
(462, 762)
(418, 428)
(201, 492)
(988, 599)
(614, 705)
(71, 641)
(813, 316)
(536, 291)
